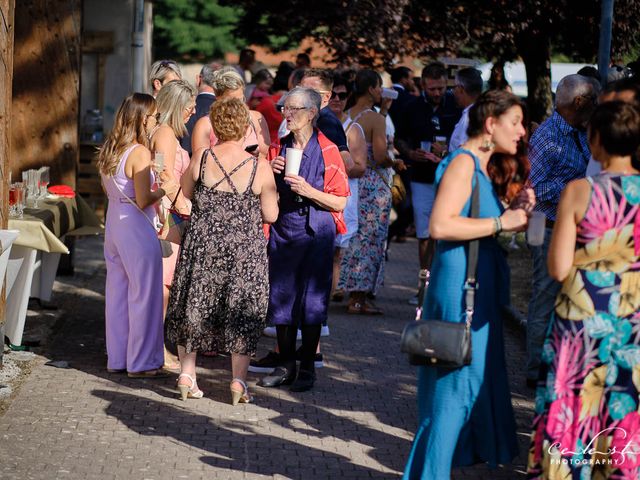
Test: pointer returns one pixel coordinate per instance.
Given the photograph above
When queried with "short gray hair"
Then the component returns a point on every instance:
(206, 73)
(227, 78)
(310, 99)
(573, 86)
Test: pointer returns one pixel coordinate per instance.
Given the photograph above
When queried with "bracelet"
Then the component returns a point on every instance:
(497, 224)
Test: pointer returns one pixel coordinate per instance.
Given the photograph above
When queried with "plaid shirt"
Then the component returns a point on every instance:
(558, 153)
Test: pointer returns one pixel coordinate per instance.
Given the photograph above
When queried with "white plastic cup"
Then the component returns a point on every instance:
(389, 93)
(535, 230)
(425, 145)
(293, 159)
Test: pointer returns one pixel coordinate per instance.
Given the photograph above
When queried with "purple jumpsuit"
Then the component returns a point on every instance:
(133, 292)
(301, 246)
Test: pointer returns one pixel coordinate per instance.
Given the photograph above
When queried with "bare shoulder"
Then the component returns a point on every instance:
(203, 122)
(255, 115)
(139, 158)
(577, 189)
(140, 154)
(462, 164)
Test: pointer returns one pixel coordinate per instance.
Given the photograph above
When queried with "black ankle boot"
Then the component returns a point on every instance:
(304, 381)
(284, 375)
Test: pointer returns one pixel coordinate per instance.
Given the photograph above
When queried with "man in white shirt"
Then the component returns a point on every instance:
(467, 89)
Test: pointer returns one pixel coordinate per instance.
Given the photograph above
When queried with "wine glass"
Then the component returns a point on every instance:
(33, 188)
(158, 165)
(44, 181)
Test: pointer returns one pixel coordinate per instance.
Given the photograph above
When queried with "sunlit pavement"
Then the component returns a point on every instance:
(358, 421)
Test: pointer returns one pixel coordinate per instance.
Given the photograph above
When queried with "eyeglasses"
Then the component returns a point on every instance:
(342, 96)
(286, 109)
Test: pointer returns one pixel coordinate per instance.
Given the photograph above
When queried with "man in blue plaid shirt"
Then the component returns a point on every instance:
(558, 152)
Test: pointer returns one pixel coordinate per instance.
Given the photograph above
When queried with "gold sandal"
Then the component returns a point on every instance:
(240, 396)
(187, 391)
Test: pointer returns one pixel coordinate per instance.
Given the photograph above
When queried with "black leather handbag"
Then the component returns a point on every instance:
(439, 343)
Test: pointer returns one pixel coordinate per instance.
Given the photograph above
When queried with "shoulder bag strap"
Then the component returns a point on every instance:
(472, 258)
(132, 202)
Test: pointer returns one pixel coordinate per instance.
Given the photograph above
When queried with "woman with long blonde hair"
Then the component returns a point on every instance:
(176, 104)
(133, 292)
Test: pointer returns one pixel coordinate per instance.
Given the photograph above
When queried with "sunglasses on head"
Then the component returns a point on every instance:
(342, 96)
(166, 63)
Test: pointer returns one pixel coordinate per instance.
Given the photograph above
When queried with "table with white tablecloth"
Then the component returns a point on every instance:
(35, 254)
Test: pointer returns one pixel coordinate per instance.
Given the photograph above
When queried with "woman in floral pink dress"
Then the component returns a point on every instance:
(587, 422)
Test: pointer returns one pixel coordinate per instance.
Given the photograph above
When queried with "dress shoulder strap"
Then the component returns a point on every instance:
(253, 173)
(124, 156)
(357, 117)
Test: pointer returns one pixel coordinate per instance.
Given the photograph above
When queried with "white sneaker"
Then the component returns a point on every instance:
(324, 332)
(270, 332)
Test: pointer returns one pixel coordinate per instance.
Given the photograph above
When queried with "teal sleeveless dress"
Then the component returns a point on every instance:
(465, 415)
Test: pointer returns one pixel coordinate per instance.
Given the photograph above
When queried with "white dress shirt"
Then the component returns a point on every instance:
(459, 135)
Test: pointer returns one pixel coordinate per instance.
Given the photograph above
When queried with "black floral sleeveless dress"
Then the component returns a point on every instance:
(220, 293)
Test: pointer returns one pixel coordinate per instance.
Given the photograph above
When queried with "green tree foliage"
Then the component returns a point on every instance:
(379, 32)
(194, 30)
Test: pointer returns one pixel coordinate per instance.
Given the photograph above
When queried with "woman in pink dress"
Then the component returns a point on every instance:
(133, 292)
(176, 103)
(228, 84)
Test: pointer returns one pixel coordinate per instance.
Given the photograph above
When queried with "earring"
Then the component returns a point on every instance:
(487, 144)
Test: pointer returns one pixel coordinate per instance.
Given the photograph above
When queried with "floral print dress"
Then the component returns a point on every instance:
(220, 293)
(587, 422)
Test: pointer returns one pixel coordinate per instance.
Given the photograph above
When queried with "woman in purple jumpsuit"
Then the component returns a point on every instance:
(133, 292)
(301, 241)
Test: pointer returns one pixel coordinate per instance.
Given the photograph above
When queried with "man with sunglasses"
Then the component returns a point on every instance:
(322, 82)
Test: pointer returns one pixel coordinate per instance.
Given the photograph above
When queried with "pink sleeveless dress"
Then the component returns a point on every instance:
(179, 167)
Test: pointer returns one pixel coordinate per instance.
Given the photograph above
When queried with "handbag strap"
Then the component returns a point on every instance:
(470, 285)
(132, 202)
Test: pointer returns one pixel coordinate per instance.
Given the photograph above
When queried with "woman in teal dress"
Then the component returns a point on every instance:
(465, 414)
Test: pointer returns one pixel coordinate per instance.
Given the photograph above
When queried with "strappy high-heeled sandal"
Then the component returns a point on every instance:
(187, 391)
(240, 396)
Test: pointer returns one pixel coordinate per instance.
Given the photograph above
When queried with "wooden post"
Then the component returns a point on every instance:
(7, 8)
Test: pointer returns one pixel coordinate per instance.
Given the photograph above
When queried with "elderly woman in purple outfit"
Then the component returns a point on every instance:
(302, 239)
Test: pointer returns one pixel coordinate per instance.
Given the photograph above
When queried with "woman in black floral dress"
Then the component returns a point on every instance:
(220, 293)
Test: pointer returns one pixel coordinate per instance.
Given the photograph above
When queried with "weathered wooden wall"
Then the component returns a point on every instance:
(6, 75)
(46, 86)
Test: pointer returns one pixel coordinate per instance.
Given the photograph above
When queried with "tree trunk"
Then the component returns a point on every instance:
(7, 8)
(536, 55)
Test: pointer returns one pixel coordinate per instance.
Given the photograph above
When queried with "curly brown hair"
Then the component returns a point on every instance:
(229, 119)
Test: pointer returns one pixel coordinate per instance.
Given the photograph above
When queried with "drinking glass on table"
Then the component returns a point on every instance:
(13, 199)
(44, 181)
(33, 188)
(16, 199)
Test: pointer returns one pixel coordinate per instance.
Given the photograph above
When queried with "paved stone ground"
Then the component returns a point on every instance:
(358, 422)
